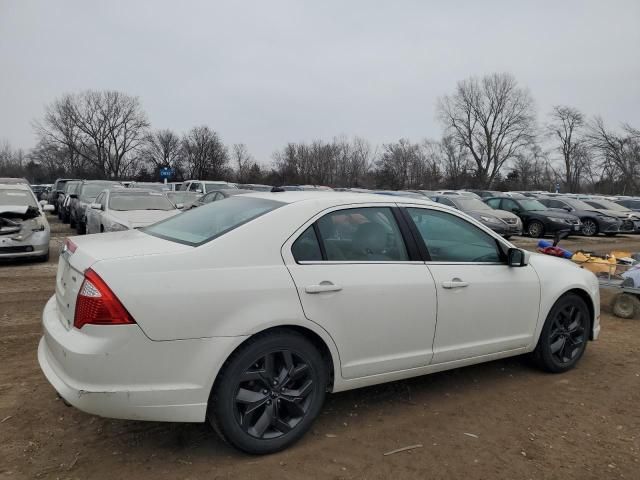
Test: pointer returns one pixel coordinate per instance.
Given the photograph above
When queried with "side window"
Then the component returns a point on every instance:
(509, 205)
(194, 186)
(451, 239)
(368, 234)
(555, 204)
(494, 203)
(100, 199)
(306, 248)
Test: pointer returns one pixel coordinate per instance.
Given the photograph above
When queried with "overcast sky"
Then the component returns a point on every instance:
(270, 72)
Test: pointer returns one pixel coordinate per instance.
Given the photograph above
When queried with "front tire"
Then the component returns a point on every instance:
(269, 392)
(589, 227)
(535, 229)
(564, 336)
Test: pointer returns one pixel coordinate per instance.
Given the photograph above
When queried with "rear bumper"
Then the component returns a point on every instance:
(117, 372)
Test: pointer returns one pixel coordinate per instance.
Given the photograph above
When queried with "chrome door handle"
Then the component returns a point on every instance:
(322, 287)
(455, 283)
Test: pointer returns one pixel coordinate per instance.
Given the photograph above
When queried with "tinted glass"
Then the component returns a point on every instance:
(361, 235)
(511, 206)
(20, 198)
(494, 202)
(139, 201)
(306, 248)
(205, 223)
(452, 239)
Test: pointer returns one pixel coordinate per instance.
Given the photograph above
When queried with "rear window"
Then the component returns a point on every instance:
(212, 220)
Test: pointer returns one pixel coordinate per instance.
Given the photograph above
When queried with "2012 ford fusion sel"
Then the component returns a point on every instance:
(247, 311)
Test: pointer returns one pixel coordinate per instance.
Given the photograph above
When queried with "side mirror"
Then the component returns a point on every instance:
(47, 208)
(516, 258)
(96, 206)
(515, 210)
(180, 206)
(198, 190)
(73, 195)
(568, 209)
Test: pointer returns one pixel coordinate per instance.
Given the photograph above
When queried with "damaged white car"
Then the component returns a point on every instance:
(24, 230)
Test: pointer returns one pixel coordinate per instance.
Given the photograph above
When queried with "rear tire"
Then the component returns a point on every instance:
(564, 335)
(268, 392)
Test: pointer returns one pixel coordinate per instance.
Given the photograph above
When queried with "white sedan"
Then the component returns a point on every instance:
(304, 293)
(124, 209)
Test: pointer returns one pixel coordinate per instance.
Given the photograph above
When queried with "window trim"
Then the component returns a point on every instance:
(411, 246)
(500, 246)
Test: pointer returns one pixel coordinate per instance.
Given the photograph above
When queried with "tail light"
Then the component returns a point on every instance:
(97, 304)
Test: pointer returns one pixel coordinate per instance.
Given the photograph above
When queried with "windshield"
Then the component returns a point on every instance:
(20, 198)
(577, 204)
(91, 190)
(608, 205)
(205, 223)
(139, 201)
(465, 203)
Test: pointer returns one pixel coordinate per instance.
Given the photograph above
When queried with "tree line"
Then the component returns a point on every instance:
(491, 138)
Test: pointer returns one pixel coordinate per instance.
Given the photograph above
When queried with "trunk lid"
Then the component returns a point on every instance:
(91, 249)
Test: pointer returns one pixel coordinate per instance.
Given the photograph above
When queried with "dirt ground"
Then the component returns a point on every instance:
(503, 419)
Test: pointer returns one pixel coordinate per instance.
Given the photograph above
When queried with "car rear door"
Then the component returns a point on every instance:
(484, 306)
(359, 277)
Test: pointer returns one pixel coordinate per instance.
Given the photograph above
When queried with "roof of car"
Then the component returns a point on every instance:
(14, 186)
(293, 196)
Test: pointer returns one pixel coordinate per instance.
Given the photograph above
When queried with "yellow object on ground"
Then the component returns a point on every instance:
(596, 264)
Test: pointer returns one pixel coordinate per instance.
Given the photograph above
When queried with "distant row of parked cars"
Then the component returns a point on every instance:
(94, 206)
(539, 213)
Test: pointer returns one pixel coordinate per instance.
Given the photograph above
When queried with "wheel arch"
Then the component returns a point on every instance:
(329, 355)
(584, 295)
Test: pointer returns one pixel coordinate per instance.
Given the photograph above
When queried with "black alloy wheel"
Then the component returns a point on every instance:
(564, 336)
(567, 336)
(273, 395)
(269, 392)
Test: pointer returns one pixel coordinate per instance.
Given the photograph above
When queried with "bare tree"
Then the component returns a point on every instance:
(103, 129)
(492, 117)
(162, 148)
(204, 153)
(566, 127)
(619, 153)
(243, 161)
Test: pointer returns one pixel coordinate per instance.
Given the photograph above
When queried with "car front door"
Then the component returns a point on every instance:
(484, 306)
(360, 278)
